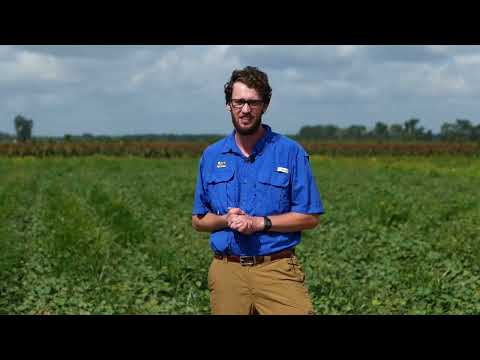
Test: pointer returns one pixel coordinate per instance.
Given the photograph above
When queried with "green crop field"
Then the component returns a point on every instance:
(99, 235)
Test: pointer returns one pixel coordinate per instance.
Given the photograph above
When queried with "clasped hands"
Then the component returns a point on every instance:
(239, 221)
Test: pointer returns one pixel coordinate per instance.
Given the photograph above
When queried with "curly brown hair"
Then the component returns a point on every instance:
(253, 78)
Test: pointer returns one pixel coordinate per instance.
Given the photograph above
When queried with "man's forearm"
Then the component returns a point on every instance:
(289, 222)
(209, 223)
(292, 222)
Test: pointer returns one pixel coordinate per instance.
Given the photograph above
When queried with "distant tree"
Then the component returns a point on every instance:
(304, 131)
(4, 135)
(464, 129)
(87, 136)
(461, 130)
(410, 127)
(476, 133)
(447, 131)
(320, 132)
(429, 135)
(419, 133)
(380, 130)
(23, 128)
(68, 138)
(355, 132)
(396, 131)
(331, 131)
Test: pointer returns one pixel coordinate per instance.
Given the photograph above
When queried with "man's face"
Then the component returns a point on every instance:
(246, 118)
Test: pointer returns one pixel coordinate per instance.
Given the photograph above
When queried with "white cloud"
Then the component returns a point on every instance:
(421, 80)
(473, 59)
(443, 83)
(347, 50)
(40, 66)
(30, 66)
(336, 90)
(292, 74)
(441, 49)
(191, 69)
(5, 52)
(216, 54)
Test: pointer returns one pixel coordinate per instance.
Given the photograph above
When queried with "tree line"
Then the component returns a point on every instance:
(462, 130)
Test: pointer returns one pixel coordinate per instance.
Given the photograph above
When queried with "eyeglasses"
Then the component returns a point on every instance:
(252, 104)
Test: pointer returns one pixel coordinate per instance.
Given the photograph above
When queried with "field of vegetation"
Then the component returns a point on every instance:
(113, 235)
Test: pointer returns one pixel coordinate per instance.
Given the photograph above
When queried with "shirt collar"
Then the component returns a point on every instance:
(230, 144)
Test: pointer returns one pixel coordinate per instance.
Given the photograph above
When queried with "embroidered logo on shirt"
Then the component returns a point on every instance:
(221, 164)
(282, 170)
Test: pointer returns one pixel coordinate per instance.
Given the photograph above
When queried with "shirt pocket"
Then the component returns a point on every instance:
(220, 190)
(272, 195)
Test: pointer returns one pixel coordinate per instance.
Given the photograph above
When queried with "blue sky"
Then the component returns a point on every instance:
(117, 90)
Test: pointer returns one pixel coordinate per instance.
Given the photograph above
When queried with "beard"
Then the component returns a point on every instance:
(246, 131)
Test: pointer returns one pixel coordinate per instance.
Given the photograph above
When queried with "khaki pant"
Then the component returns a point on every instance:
(270, 288)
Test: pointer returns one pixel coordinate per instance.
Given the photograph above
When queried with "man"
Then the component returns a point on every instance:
(255, 193)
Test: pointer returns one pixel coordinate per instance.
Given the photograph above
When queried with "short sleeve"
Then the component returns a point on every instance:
(200, 202)
(305, 196)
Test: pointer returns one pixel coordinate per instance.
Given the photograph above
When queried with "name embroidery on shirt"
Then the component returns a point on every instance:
(221, 164)
(282, 170)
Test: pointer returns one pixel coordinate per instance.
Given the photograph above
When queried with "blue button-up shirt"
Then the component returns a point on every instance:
(278, 180)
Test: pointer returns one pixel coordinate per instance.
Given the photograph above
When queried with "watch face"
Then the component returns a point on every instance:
(267, 222)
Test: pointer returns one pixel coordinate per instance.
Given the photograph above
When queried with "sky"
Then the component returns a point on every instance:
(122, 90)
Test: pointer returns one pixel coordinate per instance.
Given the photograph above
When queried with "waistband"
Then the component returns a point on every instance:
(254, 260)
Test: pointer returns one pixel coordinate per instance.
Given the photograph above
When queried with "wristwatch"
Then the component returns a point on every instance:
(267, 223)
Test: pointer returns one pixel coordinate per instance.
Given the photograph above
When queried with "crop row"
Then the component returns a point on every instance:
(168, 150)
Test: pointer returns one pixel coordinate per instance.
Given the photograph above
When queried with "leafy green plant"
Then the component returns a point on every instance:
(100, 235)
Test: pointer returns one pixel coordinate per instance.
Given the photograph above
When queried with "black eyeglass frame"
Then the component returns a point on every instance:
(240, 103)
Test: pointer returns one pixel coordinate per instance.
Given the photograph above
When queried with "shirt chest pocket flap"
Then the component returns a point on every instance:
(219, 187)
(274, 178)
(273, 188)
